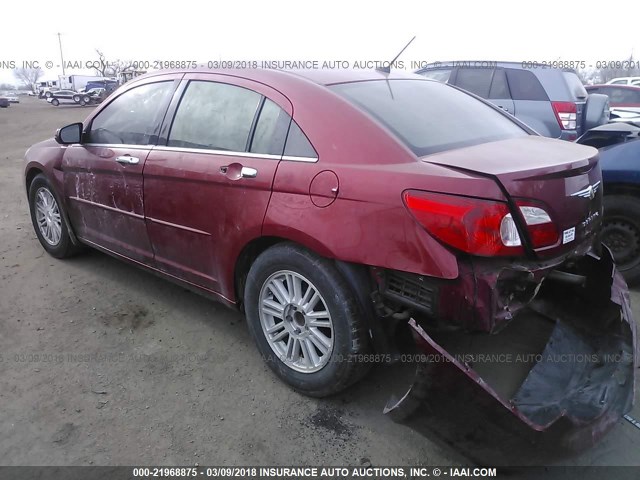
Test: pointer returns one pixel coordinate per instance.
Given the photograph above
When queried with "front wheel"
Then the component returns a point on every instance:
(47, 217)
(305, 320)
(621, 233)
(55, 102)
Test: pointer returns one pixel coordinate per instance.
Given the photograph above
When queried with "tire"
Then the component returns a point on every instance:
(47, 94)
(83, 102)
(338, 367)
(55, 102)
(621, 233)
(76, 98)
(60, 246)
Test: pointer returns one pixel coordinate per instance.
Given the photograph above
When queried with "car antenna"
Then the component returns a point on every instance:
(387, 69)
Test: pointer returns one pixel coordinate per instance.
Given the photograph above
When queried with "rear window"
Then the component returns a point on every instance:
(575, 85)
(428, 116)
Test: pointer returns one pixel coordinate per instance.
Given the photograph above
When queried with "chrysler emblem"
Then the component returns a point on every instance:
(588, 192)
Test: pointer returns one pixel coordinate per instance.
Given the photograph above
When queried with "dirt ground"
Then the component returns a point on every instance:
(104, 364)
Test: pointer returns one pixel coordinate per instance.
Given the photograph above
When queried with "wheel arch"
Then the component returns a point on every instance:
(30, 175)
(356, 275)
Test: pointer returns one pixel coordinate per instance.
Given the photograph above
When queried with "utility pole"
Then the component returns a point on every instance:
(61, 57)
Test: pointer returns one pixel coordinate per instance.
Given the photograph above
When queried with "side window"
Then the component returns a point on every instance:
(298, 144)
(525, 86)
(215, 116)
(499, 88)
(271, 130)
(442, 75)
(619, 82)
(475, 80)
(133, 118)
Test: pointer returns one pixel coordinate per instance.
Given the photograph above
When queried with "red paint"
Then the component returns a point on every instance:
(175, 212)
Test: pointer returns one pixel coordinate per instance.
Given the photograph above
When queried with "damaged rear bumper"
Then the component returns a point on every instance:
(565, 393)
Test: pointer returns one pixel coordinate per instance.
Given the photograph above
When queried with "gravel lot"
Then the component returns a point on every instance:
(177, 379)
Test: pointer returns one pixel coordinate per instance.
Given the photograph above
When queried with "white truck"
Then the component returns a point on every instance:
(78, 82)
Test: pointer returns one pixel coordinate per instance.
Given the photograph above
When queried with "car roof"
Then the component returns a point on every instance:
(491, 63)
(319, 76)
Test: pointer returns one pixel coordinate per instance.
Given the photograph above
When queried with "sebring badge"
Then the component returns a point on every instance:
(588, 192)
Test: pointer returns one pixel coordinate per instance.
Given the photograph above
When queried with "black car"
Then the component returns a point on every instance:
(4, 102)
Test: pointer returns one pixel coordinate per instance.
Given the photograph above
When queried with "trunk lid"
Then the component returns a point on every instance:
(564, 178)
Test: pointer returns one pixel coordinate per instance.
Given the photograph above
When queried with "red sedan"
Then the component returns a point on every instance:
(335, 207)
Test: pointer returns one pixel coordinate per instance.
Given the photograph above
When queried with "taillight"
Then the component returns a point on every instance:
(479, 227)
(566, 114)
(542, 230)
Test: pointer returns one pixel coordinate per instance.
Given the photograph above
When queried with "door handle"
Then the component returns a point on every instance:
(248, 172)
(127, 160)
(236, 171)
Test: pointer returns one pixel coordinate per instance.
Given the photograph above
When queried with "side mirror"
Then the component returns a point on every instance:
(69, 134)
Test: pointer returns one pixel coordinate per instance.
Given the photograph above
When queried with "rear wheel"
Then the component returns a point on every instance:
(305, 320)
(76, 98)
(621, 233)
(47, 217)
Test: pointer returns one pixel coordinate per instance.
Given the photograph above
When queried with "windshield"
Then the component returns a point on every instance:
(428, 116)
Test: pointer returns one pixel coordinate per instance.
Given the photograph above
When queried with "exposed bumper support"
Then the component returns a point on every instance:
(581, 383)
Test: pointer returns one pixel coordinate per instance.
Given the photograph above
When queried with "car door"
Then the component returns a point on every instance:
(103, 175)
(207, 189)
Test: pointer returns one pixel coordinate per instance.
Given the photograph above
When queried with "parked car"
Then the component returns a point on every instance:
(552, 101)
(619, 145)
(12, 97)
(61, 96)
(333, 206)
(4, 102)
(625, 81)
(624, 99)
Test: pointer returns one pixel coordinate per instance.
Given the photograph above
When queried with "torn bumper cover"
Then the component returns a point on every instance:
(579, 384)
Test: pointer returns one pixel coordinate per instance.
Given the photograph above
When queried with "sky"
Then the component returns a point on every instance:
(327, 30)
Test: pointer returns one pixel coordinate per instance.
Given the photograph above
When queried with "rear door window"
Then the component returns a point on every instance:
(298, 145)
(271, 130)
(524, 85)
(215, 116)
(475, 80)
